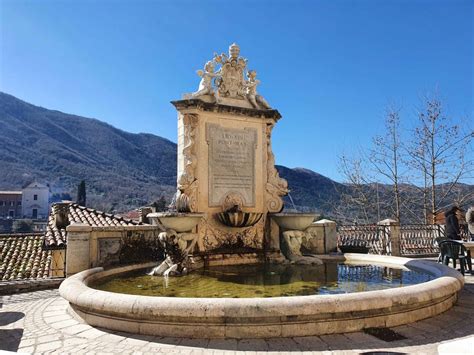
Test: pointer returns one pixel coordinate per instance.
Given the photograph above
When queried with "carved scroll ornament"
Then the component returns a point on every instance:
(276, 187)
(187, 182)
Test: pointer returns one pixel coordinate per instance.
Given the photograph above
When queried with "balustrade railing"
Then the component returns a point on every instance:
(375, 237)
(419, 239)
(415, 239)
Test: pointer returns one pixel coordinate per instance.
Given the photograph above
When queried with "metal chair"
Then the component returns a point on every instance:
(437, 242)
(452, 250)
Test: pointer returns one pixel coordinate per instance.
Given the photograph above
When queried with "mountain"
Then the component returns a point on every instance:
(121, 169)
(124, 170)
(310, 190)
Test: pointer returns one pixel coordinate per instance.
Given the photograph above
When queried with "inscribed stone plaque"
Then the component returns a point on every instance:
(231, 163)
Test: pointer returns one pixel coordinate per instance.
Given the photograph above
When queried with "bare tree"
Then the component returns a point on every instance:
(411, 180)
(438, 149)
(385, 156)
(418, 175)
(359, 201)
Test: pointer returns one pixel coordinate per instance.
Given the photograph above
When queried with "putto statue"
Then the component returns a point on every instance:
(251, 86)
(229, 80)
(205, 86)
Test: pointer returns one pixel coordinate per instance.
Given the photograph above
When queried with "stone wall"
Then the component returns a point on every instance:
(90, 247)
(321, 237)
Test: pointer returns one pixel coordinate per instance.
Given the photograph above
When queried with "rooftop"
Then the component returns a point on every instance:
(55, 237)
(37, 185)
(22, 257)
(29, 255)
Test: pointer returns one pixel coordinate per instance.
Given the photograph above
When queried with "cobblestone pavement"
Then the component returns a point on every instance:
(38, 322)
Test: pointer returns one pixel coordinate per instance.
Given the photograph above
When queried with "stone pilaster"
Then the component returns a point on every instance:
(61, 214)
(321, 237)
(394, 230)
(144, 212)
(78, 248)
(330, 235)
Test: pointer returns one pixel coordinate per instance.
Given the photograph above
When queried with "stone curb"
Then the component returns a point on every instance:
(265, 317)
(12, 287)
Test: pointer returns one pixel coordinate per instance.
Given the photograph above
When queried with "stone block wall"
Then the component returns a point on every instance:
(90, 247)
(320, 237)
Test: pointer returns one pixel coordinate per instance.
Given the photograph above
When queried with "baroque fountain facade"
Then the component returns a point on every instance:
(228, 211)
(228, 186)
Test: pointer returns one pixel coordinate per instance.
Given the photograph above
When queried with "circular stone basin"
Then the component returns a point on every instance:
(262, 317)
(294, 221)
(244, 281)
(179, 222)
(239, 219)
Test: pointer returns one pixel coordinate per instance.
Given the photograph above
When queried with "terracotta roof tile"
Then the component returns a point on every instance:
(56, 237)
(22, 257)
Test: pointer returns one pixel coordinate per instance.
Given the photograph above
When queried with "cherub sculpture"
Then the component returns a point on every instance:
(251, 85)
(205, 86)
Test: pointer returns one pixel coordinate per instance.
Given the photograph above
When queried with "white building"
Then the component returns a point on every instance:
(35, 201)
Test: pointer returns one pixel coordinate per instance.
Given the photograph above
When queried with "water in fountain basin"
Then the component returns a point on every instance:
(245, 281)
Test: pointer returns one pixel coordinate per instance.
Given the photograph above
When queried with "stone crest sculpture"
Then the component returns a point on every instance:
(229, 81)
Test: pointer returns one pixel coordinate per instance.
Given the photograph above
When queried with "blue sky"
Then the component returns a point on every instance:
(329, 67)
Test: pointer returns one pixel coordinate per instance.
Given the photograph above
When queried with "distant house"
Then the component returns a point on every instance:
(35, 201)
(10, 204)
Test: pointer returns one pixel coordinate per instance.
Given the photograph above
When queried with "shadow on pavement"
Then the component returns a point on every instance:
(10, 317)
(10, 339)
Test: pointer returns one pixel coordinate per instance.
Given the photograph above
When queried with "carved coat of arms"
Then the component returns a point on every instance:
(230, 81)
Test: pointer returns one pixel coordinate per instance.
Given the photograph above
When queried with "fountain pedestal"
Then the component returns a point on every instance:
(226, 170)
(225, 159)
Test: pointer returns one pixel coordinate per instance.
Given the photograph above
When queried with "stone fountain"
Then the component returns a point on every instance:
(228, 186)
(228, 212)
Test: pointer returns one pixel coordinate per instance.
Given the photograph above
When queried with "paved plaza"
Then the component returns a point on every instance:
(38, 322)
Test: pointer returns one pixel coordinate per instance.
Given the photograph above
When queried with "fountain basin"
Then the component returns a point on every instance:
(294, 221)
(264, 317)
(264, 280)
(179, 222)
(239, 219)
